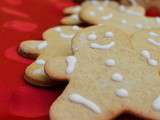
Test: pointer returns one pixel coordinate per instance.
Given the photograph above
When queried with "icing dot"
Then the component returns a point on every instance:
(156, 104)
(40, 62)
(42, 45)
(140, 26)
(75, 27)
(124, 21)
(76, 17)
(92, 36)
(153, 34)
(91, 13)
(107, 17)
(117, 77)
(152, 62)
(110, 62)
(38, 71)
(57, 29)
(146, 54)
(122, 92)
(122, 8)
(100, 8)
(109, 34)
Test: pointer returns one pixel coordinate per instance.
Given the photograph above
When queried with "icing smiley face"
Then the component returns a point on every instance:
(129, 19)
(73, 13)
(131, 78)
(57, 43)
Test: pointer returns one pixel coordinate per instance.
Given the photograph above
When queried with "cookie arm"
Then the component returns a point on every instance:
(29, 48)
(72, 10)
(36, 75)
(71, 20)
(55, 68)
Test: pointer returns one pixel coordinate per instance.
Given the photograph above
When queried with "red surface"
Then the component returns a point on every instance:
(21, 20)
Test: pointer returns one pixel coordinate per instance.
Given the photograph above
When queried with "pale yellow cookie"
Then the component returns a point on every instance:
(57, 43)
(108, 79)
(74, 19)
(72, 10)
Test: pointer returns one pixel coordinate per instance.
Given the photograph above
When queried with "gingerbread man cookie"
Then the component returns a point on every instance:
(108, 79)
(73, 17)
(130, 19)
(57, 43)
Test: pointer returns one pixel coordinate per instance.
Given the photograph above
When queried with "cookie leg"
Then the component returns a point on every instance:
(35, 74)
(73, 106)
(29, 49)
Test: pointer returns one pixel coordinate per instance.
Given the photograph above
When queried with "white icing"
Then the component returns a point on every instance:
(94, 2)
(158, 20)
(156, 104)
(100, 8)
(117, 77)
(107, 17)
(38, 72)
(122, 93)
(92, 13)
(146, 54)
(152, 41)
(124, 21)
(133, 2)
(75, 48)
(40, 62)
(98, 46)
(57, 29)
(92, 36)
(75, 27)
(122, 8)
(66, 36)
(85, 102)
(75, 16)
(77, 9)
(109, 34)
(42, 45)
(140, 26)
(153, 34)
(152, 62)
(110, 62)
(71, 61)
(134, 13)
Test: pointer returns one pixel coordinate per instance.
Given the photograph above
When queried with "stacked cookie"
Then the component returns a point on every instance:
(112, 67)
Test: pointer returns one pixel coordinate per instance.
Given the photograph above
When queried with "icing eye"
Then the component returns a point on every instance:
(109, 34)
(92, 36)
(91, 13)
